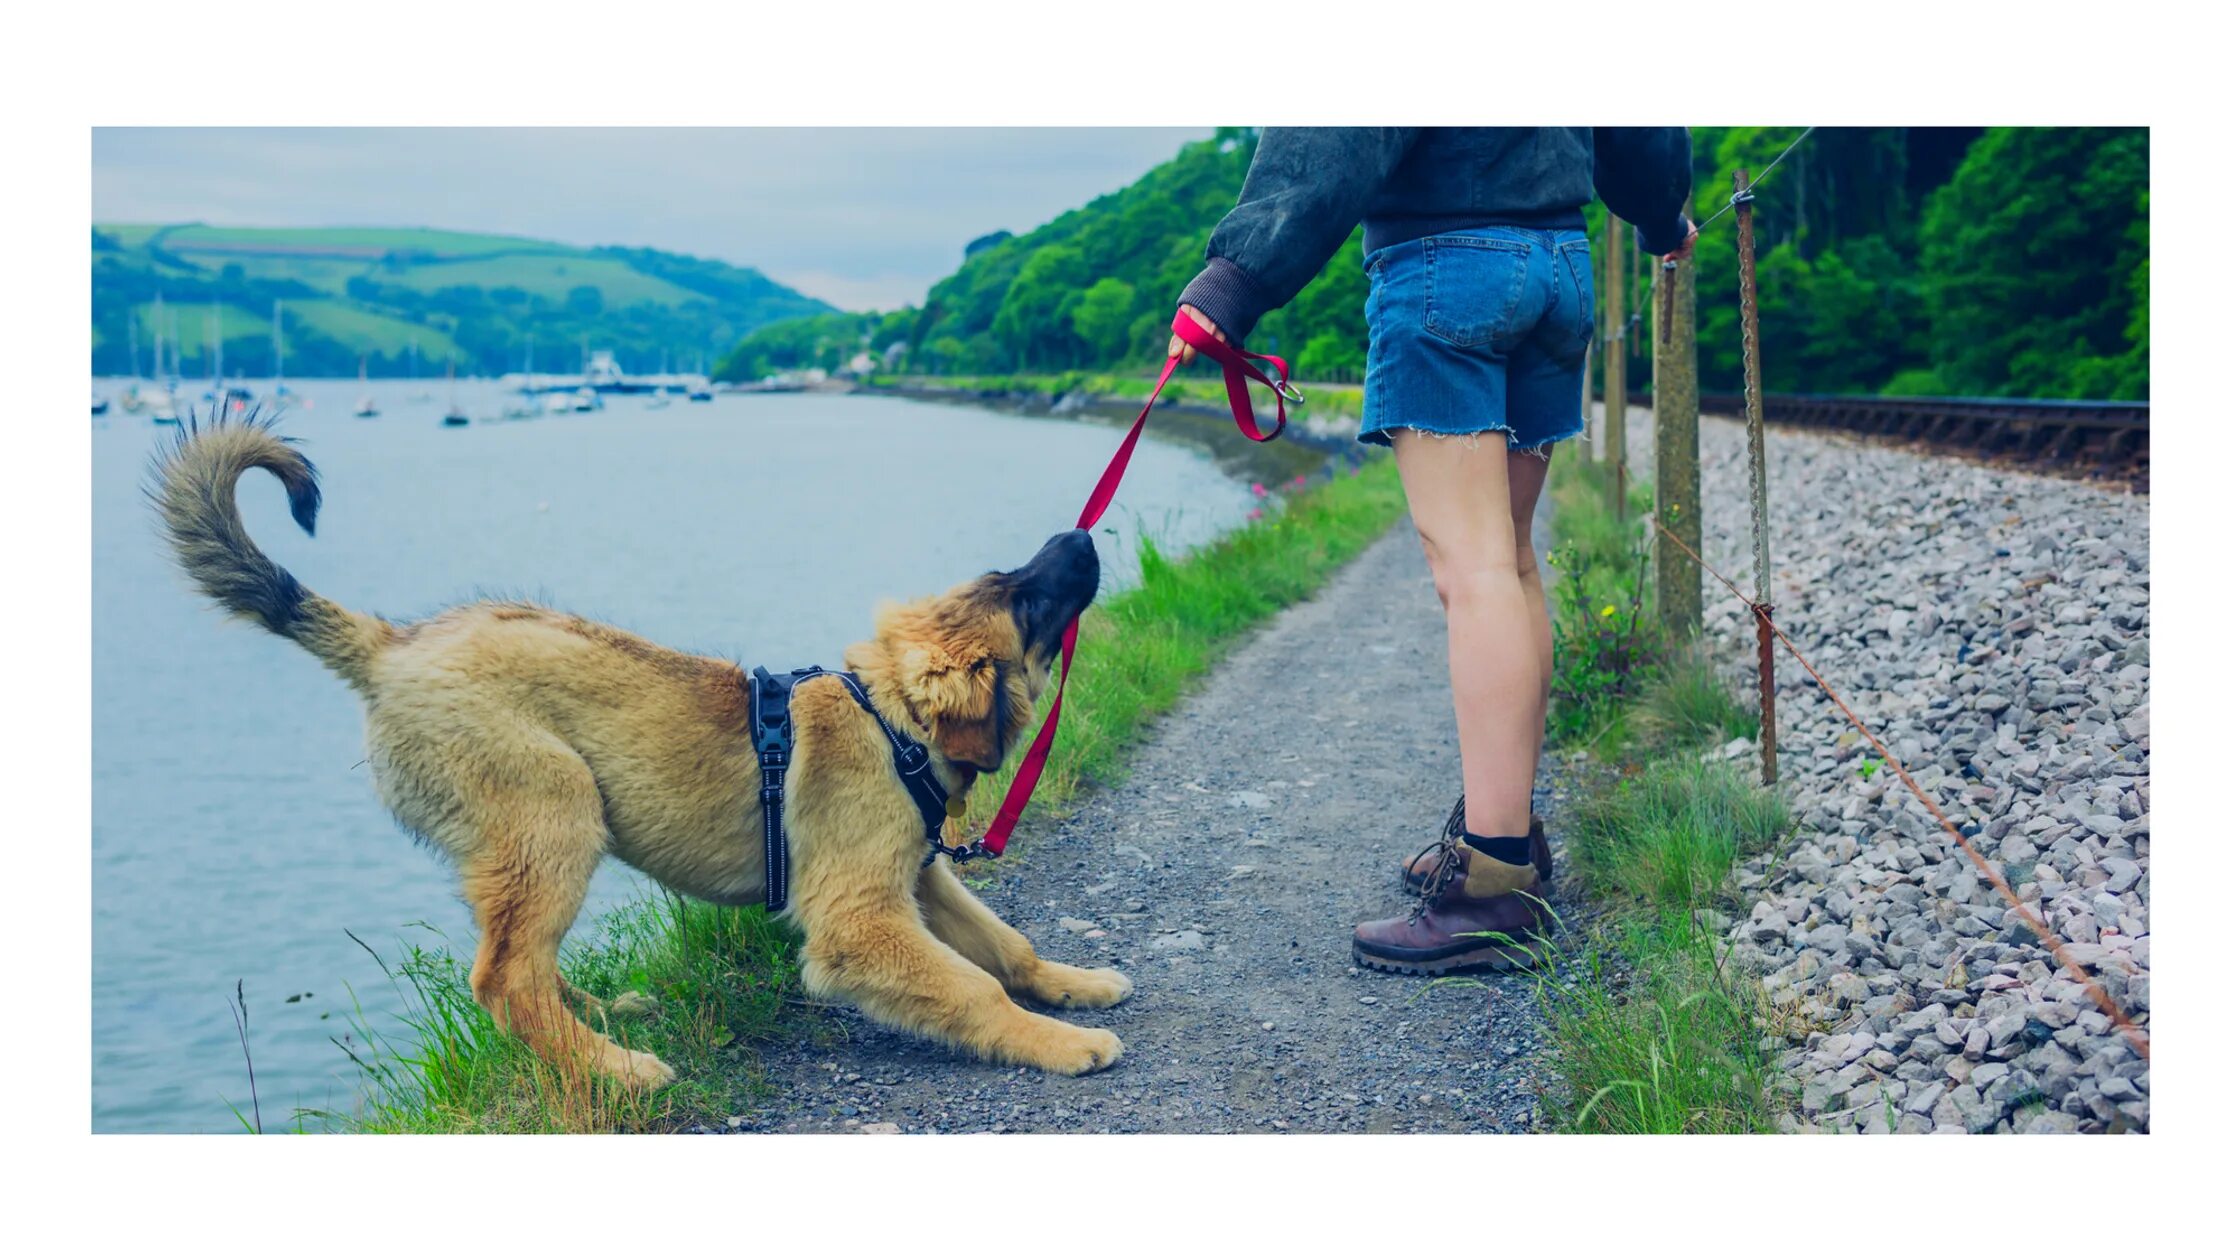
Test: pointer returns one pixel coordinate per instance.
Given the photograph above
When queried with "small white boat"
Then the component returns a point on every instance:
(454, 415)
(559, 404)
(587, 399)
(655, 402)
(162, 405)
(365, 410)
(100, 405)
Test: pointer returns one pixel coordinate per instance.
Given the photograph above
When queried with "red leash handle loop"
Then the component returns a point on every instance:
(1236, 368)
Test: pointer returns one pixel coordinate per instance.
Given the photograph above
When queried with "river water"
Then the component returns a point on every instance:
(236, 834)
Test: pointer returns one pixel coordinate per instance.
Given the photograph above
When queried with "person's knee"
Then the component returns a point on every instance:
(1528, 564)
(1469, 580)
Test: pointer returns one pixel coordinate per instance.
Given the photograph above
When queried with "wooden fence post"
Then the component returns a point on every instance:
(1636, 274)
(1586, 405)
(1679, 473)
(1614, 359)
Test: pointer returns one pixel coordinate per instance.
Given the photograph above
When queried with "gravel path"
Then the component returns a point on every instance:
(1992, 628)
(1264, 817)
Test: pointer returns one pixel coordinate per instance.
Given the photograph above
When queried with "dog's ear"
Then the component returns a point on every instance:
(955, 694)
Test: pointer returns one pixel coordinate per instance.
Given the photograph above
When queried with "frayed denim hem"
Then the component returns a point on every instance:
(1542, 449)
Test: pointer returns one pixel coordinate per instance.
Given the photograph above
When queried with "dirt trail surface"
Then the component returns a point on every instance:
(1262, 819)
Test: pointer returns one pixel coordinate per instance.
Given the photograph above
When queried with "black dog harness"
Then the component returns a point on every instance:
(771, 719)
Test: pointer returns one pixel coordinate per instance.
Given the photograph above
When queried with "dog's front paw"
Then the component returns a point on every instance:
(1055, 984)
(638, 1069)
(1078, 1051)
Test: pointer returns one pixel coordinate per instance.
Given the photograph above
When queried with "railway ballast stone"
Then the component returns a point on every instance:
(1992, 628)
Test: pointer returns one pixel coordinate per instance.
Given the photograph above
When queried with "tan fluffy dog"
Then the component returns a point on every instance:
(528, 744)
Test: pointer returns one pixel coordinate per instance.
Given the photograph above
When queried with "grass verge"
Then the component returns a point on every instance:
(692, 983)
(698, 985)
(1654, 1031)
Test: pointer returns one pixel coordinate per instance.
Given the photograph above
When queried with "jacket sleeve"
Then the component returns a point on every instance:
(1643, 175)
(1307, 188)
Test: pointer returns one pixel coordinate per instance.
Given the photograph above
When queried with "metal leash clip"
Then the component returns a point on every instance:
(957, 853)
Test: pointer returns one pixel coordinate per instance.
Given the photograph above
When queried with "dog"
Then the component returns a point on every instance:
(527, 744)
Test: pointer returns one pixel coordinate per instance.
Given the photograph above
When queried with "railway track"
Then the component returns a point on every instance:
(2104, 441)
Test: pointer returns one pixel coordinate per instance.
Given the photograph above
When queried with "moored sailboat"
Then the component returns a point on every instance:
(365, 409)
(453, 416)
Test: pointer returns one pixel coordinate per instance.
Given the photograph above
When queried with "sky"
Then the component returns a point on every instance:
(864, 218)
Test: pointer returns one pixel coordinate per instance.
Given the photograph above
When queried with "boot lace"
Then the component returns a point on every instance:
(1449, 847)
(1451, 860)
(1451, 835)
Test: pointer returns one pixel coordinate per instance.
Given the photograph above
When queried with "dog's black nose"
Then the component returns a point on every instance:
(1080, 552)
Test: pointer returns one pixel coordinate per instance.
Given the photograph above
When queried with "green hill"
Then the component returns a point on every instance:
(411, 299)
(1927, 260)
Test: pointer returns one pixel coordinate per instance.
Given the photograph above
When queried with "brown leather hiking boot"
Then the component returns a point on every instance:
(1467, 893)
(1420, 866)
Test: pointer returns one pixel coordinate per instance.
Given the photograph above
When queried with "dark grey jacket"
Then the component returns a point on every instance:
(1308, 186)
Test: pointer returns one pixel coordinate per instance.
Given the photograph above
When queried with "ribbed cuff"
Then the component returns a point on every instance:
(1228, 297)
(1663, 242)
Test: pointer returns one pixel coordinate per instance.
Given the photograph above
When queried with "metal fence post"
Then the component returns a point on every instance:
(1753, 396)
(1679, 472)
(1614, 360)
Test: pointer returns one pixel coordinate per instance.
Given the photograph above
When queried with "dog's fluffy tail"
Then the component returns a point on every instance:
(192, 485)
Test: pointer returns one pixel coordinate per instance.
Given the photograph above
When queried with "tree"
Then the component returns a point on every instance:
(2034, 257)
(1103, 317)
(1035, 321)
(1330, 357)
(1921, 260)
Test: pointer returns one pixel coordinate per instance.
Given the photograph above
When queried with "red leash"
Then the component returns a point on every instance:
(1236, 368)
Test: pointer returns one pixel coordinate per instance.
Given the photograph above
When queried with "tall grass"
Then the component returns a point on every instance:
(1691, 705)
(1658, 1036)
(700, 985)
(693, 983)
(1670, 834)
(1655, 1032)
(1601, 606)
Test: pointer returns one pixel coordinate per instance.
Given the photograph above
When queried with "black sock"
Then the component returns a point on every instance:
(1515, 850)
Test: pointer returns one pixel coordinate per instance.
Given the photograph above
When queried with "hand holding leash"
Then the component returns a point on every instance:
(1177, 348)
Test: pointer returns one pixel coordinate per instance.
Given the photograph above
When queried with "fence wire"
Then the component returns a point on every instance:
(1991, 874)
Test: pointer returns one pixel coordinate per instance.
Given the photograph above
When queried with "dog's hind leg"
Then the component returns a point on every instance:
(873, 949)
(539, 836)
(965, 924)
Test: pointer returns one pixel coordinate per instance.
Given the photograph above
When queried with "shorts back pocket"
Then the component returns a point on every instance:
(1472, 287)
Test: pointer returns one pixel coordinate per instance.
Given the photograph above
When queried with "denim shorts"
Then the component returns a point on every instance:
(1479, 330)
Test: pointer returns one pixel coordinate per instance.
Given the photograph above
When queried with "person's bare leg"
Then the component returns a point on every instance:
(1528, 472)
(1460, 498)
